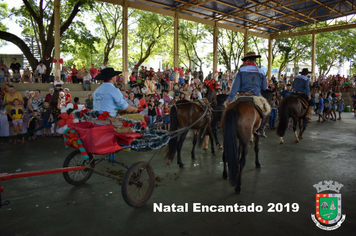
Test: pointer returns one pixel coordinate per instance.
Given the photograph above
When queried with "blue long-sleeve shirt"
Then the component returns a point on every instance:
(301, 84)
(249, 78)
(107, 97)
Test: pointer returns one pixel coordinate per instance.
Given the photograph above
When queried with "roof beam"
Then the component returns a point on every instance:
(193, 3)
(236, 14)
(321, 30)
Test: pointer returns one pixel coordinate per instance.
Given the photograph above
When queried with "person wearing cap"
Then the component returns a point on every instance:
(250, 80)
(107, 97)
(301, 88)
(287, 92)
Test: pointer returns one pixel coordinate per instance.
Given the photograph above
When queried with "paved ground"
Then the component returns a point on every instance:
(47, 205)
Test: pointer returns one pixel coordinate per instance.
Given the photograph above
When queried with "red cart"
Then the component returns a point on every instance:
(137, 183)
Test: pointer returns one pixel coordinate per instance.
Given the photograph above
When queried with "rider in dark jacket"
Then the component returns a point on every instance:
(301, 87)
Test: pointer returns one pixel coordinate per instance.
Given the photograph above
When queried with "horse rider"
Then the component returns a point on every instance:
(301, 87)
(107, 97)
(250, 80)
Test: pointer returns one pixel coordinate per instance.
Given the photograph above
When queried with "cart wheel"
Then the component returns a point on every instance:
(138, 183)
(80, 176)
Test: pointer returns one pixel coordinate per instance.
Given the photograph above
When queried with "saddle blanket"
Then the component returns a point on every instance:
(258, 101)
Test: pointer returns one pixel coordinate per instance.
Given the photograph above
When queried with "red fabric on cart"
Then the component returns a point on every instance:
(97, 139)
(126, 138)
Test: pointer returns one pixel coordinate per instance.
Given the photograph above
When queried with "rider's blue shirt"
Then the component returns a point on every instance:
(301, 84)
(249, 79)
(107, 98)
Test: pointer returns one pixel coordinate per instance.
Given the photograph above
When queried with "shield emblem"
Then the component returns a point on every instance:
(328, 208)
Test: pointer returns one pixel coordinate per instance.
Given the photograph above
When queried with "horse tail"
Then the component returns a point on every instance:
(231, 143)
(283, 117)
(172, 144)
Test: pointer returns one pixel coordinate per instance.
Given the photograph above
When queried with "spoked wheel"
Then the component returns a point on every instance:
(80, 176)
(137, 186)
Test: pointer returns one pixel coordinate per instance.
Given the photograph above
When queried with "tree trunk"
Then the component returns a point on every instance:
(22, 45)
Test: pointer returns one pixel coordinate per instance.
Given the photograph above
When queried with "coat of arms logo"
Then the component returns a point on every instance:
(328, 205)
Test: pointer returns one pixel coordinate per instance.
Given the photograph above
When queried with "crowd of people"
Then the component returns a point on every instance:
(149, 94)
(33, 110)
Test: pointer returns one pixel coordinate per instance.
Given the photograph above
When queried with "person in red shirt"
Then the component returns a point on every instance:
(68, 97)
(93, 71)
(74, 74)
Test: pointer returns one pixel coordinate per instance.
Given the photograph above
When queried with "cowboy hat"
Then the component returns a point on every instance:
(107, 74)
(251, 55)
(305, 71)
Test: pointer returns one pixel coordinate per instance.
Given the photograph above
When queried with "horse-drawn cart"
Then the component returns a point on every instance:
(94, 144)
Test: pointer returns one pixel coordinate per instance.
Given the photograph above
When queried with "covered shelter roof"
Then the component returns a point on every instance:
(262, 18)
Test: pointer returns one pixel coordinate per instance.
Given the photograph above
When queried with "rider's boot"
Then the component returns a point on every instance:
(309, 113)
(261, 131)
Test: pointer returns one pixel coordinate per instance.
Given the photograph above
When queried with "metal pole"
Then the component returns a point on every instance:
(269, 72)
(215, 46)
(176, 35)
(245, 42)
(125, 73)
(313, 56)
(57, 36)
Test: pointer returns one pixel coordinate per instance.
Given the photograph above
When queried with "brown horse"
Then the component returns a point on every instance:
(183, 114)
(240, 121)
(291, 107)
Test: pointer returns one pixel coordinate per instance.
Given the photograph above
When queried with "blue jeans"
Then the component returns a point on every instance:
(272, 119)
(158, 86)
(86, 82)
(151, 119)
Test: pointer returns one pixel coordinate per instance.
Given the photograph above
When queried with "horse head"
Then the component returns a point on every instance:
(211, 95)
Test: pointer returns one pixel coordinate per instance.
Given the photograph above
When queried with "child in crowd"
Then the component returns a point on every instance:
(341, 105)
(321, 107)
(151, 111)
(47, 117)
(156, 96)
(76, 102)
(31, 125)
(274, 105)
(166, 120)
(16, 113)
(159, 111)
(62, 98)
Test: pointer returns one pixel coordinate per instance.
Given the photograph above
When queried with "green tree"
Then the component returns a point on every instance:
(192, 39)
(4, 13)
(39, 15)
(149, 36)
(230, 48)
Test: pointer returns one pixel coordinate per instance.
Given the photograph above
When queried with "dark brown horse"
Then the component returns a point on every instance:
(240, 121)
(183, 114)
(291, 107)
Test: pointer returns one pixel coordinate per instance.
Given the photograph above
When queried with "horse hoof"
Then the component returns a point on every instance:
(224, 175)
(193, 157)
(181, 165)
(212, 153)
(297, 140)
(168, 163)
(219, 146)
(238, 191)
(258, 165)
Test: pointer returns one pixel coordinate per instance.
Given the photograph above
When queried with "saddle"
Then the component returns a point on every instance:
(302, 100)
(260, 103)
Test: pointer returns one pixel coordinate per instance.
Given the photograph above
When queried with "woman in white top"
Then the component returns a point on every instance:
(58, 83)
